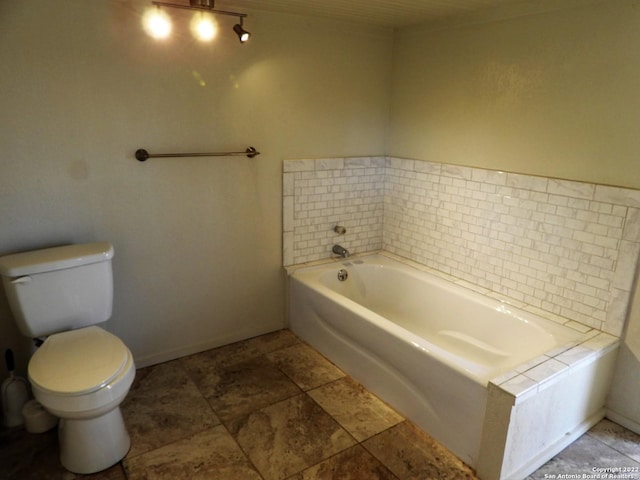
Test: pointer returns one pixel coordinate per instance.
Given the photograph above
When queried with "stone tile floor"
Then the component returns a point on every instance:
(272, 408)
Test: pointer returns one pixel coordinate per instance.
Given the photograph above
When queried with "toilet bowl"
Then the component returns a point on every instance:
(82, 376)
(81, 373)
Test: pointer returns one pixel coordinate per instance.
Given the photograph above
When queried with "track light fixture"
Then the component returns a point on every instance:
(158, 24)
(243, 35)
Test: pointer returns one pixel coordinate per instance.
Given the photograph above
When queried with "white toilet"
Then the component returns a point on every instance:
(81, 373)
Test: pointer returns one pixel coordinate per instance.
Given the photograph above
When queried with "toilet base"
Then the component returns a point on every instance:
(93, 444)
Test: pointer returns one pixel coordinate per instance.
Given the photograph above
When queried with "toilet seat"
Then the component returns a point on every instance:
(78, 362)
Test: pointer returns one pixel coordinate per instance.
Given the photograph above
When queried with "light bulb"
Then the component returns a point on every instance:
(203, 27)
(157, 24)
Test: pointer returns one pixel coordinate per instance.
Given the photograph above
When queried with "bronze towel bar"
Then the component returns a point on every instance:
(142, 154)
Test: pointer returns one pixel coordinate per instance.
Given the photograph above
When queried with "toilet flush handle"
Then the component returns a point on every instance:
(24, 279)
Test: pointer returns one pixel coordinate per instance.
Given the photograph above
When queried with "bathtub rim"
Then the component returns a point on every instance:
(476, 289)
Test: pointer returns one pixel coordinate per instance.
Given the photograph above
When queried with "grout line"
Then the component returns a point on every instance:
(612, 447)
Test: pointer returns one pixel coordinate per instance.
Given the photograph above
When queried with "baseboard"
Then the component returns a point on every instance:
(626, 422)
(186, 350)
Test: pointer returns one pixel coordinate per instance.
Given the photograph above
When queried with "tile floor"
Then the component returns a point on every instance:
(272, 408)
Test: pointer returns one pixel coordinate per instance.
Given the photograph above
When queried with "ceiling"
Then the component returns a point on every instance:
(386, 13)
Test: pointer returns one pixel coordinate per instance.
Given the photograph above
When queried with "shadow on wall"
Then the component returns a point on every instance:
(619, 408)
(10, 337)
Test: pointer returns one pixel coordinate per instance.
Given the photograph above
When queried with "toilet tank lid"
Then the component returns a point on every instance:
(56, 258)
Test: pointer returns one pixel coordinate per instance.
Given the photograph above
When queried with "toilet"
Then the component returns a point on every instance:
(81, 373)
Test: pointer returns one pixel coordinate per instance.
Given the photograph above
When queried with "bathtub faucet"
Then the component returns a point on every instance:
(339, 250)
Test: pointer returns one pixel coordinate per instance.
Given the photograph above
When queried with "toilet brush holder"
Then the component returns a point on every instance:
(14, 393)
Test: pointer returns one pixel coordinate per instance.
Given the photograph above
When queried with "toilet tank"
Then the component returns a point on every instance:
(60, 288)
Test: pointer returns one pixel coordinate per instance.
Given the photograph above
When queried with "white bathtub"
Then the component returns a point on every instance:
(425, 345)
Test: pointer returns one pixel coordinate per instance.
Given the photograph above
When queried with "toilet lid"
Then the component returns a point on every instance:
(78, 361)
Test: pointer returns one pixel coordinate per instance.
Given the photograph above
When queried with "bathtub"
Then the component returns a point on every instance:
(425, 345)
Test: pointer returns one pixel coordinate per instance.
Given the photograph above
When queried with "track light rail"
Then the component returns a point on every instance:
(142, 155)
(198, 7)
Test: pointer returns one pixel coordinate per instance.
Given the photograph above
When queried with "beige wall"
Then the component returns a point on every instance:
(553, 94)
(197, 240)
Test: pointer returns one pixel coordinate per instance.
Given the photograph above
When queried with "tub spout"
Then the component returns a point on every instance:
(339, 250)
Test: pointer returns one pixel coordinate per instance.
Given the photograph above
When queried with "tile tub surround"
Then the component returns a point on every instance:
(563, 247)
(320, 194)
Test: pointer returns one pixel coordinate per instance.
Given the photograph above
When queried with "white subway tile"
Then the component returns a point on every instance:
(528, 182)
(600, 342)
(288, 257)
(626, 265)
(571, 189)
(520, 385)
(329, 164)
(428, 167)
(631, 230)
(617, 195)
(288, 184)
(578, 203)
(298, 165)
(456, 171)
(610, 220)
(493, 177)
(400, 163)
(358, 162)
(599, 207)
(547, 369)
(559, 200)
(617, 311)
(619, 211)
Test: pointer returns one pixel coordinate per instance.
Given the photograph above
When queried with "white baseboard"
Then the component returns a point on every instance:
(626, 422)
(186, 350)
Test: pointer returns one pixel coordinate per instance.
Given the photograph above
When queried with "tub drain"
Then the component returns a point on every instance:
(342, 275)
